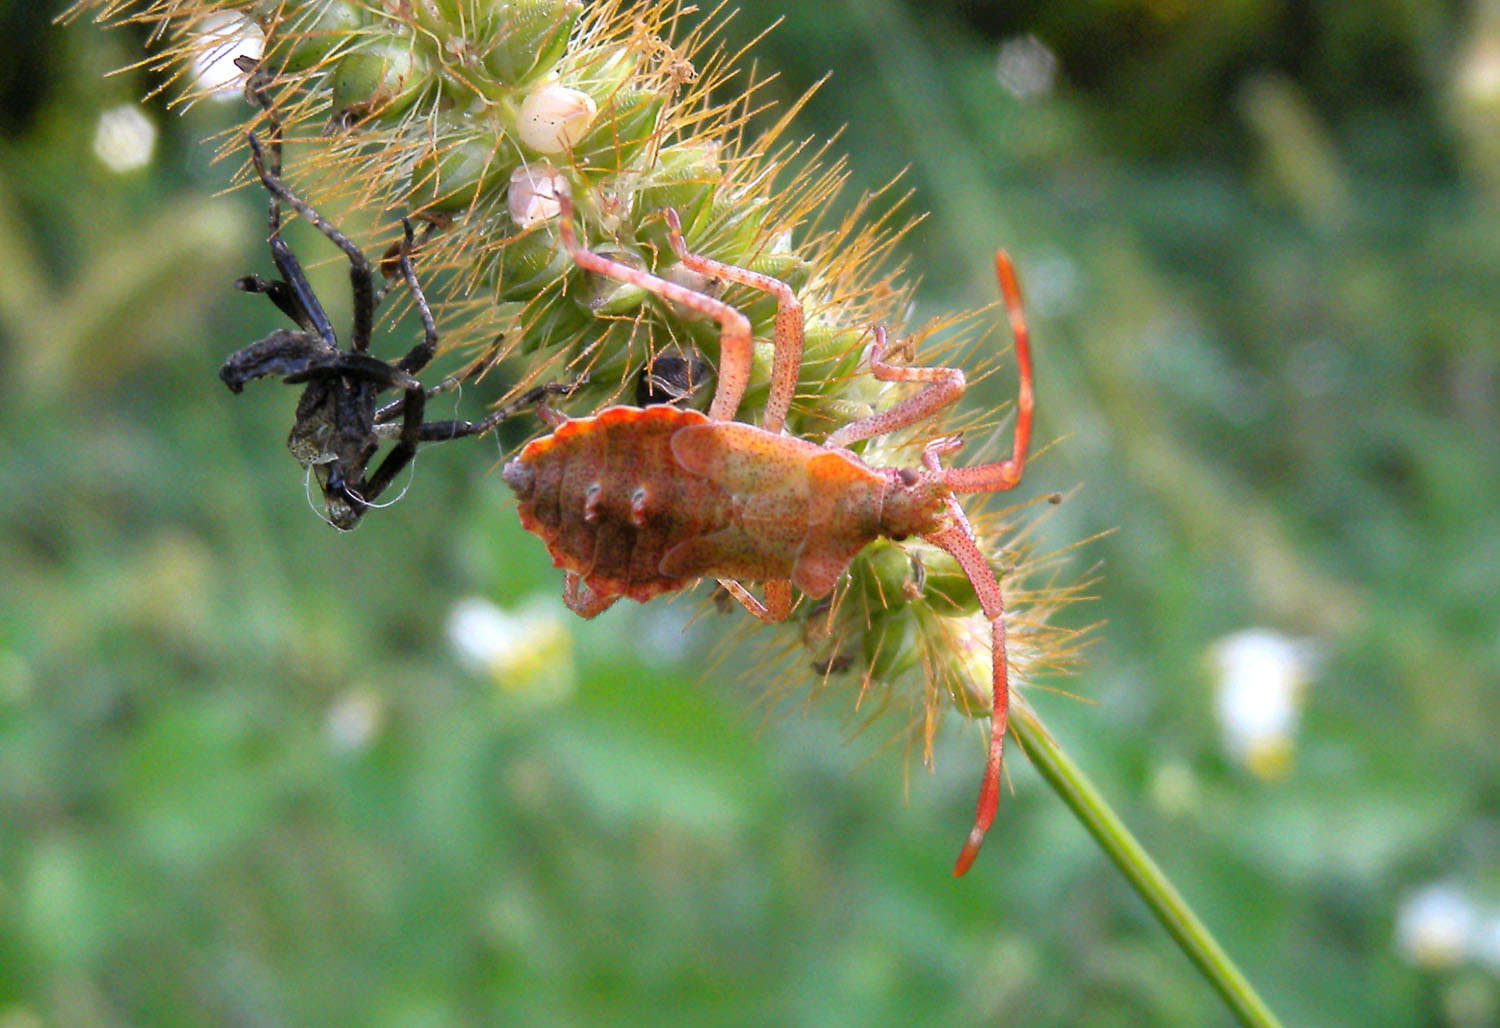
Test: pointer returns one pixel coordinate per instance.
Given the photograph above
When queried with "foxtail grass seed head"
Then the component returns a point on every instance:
(528, 38)
(385, 76)
(497, 122)
(305, 36)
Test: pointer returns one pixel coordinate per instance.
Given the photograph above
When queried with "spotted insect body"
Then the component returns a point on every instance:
(606, 496)
(640, 501)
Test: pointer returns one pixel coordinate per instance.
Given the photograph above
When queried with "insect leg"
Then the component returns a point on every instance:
(1006, 473)
(778, 599)
(944, 386)
(415, 400)
(440, 431)
(293, 295)
(947, 385)
(786, 356)
(283, 352)
(360, 275)
(405, 449)
(735, 347)
(958, 539)
(417, 357)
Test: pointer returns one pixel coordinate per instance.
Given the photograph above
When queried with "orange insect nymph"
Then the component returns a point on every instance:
(641, 501)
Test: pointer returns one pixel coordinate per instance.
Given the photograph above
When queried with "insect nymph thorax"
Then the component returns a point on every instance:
(915, 503)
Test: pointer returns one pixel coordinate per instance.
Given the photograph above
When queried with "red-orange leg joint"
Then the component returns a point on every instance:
(735, 350)
(944, 385)
(786, 339)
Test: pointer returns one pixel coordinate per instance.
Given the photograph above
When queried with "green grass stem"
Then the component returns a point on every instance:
(1150, 883)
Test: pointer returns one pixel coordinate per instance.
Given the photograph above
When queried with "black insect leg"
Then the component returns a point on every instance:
(418, 356)
(292, 295)
(441, 431)
(416, 359)
(282, 353)
(360, 274)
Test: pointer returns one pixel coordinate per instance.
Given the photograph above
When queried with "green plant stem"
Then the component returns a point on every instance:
(1073, 786)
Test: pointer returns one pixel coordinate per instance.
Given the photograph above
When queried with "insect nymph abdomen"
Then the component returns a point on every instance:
(608, 498)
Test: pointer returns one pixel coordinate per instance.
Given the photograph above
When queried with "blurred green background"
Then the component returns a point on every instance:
(248, 777)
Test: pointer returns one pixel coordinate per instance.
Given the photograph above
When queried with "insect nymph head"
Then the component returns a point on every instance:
(915, 502)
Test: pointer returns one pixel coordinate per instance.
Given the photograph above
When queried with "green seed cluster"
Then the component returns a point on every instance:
(484, 111)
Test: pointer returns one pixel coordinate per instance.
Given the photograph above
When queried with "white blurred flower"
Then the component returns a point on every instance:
(554, 117)
(528, 653)
(1486, 943)
(222, 37)
(124, 138)
(354, 719)
(1258, 697)
(1478, 70)
(1026, 67)
(1435, 927)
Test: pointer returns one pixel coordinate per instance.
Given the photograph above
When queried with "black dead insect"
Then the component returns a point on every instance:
(676, 376)
(339, 424)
